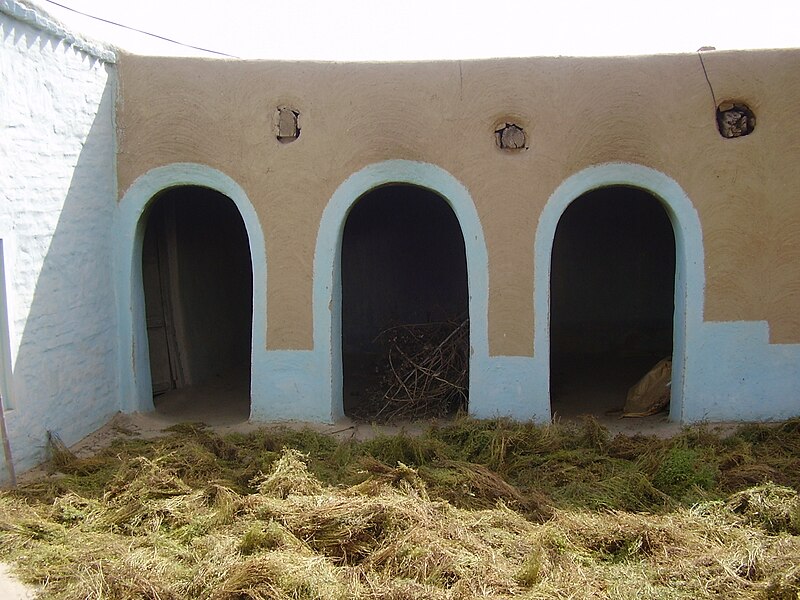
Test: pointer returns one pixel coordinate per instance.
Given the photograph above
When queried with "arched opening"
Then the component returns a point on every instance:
(404, 294)
(198, 290)
(612, 298)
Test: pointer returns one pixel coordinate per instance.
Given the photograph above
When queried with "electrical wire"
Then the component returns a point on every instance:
(160, 37)
(708, 81)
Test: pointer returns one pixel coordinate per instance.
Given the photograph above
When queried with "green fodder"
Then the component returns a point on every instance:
(373, 475)
(785, 585)
(274, 439)
(772, 507)
(133, 574)
(751, 454)
(567, 513)
(22, 523)
(202, 436)
(698, 553)
(326, 459)
(289, 476)
(592, 434)
(530, 573)
(139, 495)
(267, 536)
(148, 495)
(635, 448)
(403, 448)
(190, 460)
(74, 560)
(86, 475)
(624, 488)
(71, 508)
(389, 527)
(683, 471)
(61, 457)
(344, 528)
(773, 447)
(472, 551)
(462, 484)
(281, 575)
(499, 444)
(473, 486)
(741, 476)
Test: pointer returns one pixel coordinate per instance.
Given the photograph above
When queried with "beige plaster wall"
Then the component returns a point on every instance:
(654, 111)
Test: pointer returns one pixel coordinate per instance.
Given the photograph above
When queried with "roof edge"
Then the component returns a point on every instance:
(37, 17)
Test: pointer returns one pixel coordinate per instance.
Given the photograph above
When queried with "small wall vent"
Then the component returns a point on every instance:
(735, 119)
(510, 136)
(288, 124)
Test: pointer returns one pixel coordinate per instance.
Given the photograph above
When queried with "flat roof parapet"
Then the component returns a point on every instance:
(37, 17)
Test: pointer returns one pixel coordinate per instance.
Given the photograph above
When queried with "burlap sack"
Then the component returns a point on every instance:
(651, 394)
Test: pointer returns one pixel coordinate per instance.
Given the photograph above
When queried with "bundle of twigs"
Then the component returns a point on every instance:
(425, 372)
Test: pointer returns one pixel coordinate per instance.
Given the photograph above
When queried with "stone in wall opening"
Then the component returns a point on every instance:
(404, 303)
(288, 124)
(510, 136)
(197, 276)
(612, 294)
(735, 119)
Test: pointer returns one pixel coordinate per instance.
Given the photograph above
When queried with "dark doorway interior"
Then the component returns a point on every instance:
(611, 298)
(403, 262)
(197, 276)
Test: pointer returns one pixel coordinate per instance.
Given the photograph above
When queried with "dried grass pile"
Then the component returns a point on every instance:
(152, 536)
(424, 372)
(437, 526)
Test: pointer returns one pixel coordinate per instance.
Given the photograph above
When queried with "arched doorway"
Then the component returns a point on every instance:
(403, 272)
(612, 298)
(197, 279)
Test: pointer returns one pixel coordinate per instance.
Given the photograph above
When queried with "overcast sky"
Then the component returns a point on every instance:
(437, 29)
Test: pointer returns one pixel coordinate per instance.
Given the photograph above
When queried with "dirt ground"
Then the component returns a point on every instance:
(11, 588)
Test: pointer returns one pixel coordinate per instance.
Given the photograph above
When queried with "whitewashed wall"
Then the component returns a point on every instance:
(57, 197)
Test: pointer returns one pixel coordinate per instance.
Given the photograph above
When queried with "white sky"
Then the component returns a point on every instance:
(437, 29)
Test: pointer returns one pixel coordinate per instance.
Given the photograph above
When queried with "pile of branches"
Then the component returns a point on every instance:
(424, 372)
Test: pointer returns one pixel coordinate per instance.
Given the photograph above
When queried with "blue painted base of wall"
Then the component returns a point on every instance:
(735, 374)
(512, 386)
(721, 371)
(289, 385)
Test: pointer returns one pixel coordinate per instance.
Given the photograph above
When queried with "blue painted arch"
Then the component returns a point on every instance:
(689, 267)
(327, 294)
(134, 362)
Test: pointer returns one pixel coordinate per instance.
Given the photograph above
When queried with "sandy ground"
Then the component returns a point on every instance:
(11, 588)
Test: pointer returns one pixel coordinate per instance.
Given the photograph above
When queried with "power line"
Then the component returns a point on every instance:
(160, 37)
(708, 81)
